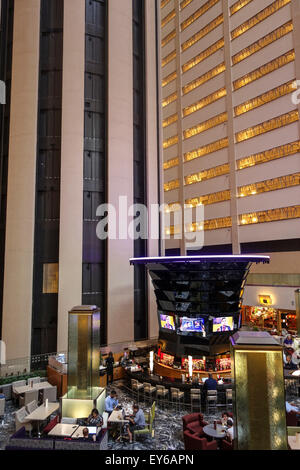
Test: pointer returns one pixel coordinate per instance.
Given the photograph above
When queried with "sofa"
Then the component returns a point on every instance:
(194, 423)
(193, 441)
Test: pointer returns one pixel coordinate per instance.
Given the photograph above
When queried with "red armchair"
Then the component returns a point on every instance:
(195, 442)
(194, 423)
(51, 425)
(226, 445)
(292, 418)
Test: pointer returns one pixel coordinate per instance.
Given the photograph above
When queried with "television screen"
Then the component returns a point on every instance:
(166, 359)
(167, 322)
(221, 324)
(198, 364)
(192, 325)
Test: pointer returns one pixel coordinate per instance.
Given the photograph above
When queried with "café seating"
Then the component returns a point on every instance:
(176, 396)
(149, 426)
(31, 406)
(195, 395)
(17, 383)
(33, 380)
(161, 393)
(20, 420)
(50, 394)
(195, 442)
(51, 425)
(136, 387)
(211, 399)
(228, 392)
(31, 395)
(194, 423)
(149, 390)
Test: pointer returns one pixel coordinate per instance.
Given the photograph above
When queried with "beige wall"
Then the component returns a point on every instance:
(18, 273)
(120, 302)
(71, 203)
(283, 262)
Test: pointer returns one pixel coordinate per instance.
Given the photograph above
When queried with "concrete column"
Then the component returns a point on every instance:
(120, 279)
(71, 198)
(18, 272)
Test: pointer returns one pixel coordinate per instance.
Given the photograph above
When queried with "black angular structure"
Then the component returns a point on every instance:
(198, 300)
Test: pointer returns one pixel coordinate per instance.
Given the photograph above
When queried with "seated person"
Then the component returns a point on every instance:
(224, 419)
(230, 430)
(296, 357)
(95, 419)
(111, 402)
(86, 436)
(288, 341)
(288, 364)
(125, 358)
(210, 383)
(137, 421)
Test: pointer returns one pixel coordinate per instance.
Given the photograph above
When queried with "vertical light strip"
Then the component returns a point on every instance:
(230, 132)
(179, 125)
(71, 200)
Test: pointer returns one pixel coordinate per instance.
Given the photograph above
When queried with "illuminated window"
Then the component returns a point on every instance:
(211, 224)
(238, 5)
(281, 182)
(50, 278)
(171, 141)
(168, 18)
(260, 100)
(168, 38)
(204, 102)
(203, 126)
(264, 69)
(212, 198)
(204, 78)
(168, 58)
(269, 155)
(260, 16)
(198, 13)
(207, 174)
(169, 99)
(203, 32)
(172, 76)
(206, 149)
(267, 126)
(171, 163)
(203, 55)
(164, 3)
(171, 185)
(170, 120)
(272, 215)
(263, 42)
(185, 3)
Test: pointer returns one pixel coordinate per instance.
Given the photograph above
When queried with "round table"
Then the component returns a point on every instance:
(217, 434)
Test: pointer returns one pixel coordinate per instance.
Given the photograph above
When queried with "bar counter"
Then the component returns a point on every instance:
(169, 382)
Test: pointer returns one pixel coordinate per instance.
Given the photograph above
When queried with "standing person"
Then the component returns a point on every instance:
(110, 368)
(137, 421)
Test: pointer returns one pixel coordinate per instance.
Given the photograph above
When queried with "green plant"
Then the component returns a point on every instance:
(13, 378)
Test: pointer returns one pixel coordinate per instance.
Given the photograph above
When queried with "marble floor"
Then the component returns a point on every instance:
(167, 426)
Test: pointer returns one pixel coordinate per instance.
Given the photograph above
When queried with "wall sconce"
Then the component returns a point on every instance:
(265, 299)
(151, 362)
(190, 366)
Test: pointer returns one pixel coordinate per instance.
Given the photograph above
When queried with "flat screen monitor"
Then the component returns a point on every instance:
(192, 325)
(204, 378)
(221, 324)
(167, 322)
(92, 429)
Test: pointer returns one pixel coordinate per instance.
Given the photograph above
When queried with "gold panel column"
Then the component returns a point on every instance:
(258, 392)
(297, 301)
